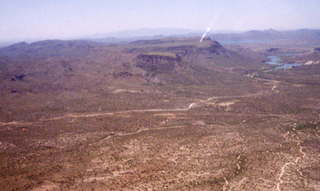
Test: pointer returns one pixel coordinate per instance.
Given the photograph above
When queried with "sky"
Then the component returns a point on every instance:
(44, 19)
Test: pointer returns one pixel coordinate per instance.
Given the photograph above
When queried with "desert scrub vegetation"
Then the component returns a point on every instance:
(308, 126)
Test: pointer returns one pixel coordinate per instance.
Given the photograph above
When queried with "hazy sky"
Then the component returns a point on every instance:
(39, 19)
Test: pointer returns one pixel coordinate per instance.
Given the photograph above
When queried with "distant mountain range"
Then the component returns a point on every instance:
(310, 36)
(141, 34)
(146, 32)
(265, 36)
(226, 37)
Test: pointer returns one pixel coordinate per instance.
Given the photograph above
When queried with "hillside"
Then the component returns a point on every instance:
(81, 70)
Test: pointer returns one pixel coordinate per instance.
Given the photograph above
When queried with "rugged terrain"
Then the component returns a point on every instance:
(168, 114)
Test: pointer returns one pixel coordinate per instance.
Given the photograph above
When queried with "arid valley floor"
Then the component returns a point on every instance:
(169, 114)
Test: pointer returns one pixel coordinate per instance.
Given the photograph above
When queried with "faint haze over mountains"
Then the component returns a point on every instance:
(47, 19)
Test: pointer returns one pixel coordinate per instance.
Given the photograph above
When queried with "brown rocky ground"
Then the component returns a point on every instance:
(237, 133)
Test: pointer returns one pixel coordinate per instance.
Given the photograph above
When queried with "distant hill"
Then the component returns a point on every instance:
(48, 48)
(268, 36)
(4, 44)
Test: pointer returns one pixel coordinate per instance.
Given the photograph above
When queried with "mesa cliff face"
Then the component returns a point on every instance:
(161, 60)
(158, 62)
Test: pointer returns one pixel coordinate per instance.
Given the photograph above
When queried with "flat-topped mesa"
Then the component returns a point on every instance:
(158, 62)
(206, 46)
(182, 46)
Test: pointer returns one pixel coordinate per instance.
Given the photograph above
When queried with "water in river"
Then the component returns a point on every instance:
(276, 60)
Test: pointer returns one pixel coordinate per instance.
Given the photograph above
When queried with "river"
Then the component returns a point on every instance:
(277, 62)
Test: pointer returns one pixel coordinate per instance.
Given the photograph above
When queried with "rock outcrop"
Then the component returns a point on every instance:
(158, 62)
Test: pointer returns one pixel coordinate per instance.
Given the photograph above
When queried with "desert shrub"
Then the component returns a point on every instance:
(309, 125)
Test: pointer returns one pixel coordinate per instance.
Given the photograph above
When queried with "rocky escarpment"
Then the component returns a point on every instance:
(183, 61)
(207, 46)
(155, 63)
(180, 47)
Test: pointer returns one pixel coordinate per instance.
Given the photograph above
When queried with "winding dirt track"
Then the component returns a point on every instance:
(294, 163)
(99, 114)
(273, 83)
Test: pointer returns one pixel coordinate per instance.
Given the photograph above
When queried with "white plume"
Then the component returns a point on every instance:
(205, 34)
